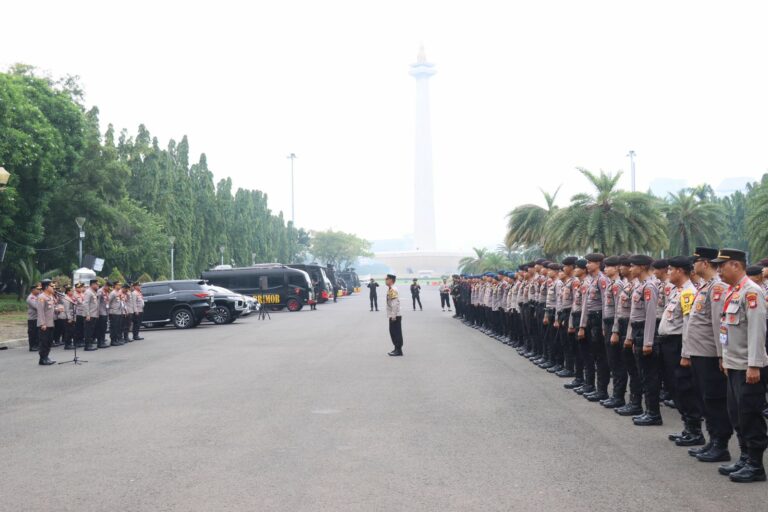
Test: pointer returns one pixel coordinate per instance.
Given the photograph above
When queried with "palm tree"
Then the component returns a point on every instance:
(692, 221)
(757, 219)
(610, 220)
(495, 261)
(473, 264)
(526, 223)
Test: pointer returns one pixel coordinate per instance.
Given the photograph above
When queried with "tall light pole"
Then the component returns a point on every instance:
(253, 258)
(172, 239)
(292, 157)
(631, 156)
(221, 249)
(81, 235)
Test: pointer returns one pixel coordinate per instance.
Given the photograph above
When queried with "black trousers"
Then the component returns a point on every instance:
(90, 330)
(374, 301)
(69, 334)
(44, 337)
(79, 330)
(58, 330)
(416, 299)
(126, 325)
(137, 324)
(745, 408)
(712, 387)
(613, 353)
(575, 350)
(649, 367)
(630, 364)
(396, 332)
(680, 381)
(101, 329)
(115, 327)
(32, 334)
(594, 334)
(445, 300)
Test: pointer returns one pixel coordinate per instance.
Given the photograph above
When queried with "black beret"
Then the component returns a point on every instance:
(705, 253)
(126, 287)
(392, 277)
(93, 281)
(539, 261)
(569, 260)
(640, 259)
(553, 266)
(730, 254)
(683, 262)
(595, 257)
(612, 261)
(581, 263)
(660, 263)
(523, 267)
(763, 262)
(754, 270)
(624, 260)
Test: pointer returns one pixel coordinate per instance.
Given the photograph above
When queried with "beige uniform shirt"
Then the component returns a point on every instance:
(45, 310)
(742, 329)
(393, 303)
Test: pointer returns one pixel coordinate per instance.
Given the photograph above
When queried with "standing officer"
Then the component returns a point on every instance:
(742, 338)
(69, 310)
(621, 327)
(393, 314)
(45, 322)
(582, 346)
(573, 365)
(373, 294)
(32, 328)
(591, 327)
(114, 308)
(138, 310)
(415, 292)
(700, 352)
(128, 309)
(79, 316)
(642, 320)
(445, 295)
(679, 379)
(91, 311)
(613, 347)
(101, 322)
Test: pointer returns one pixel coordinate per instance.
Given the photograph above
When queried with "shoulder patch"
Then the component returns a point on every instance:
(751, 299)
(647, 295)
(686, 301)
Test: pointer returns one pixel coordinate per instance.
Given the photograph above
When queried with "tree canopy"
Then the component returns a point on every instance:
(338, 248)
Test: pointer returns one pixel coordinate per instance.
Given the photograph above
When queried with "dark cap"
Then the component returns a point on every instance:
(763, 262)
(612, 261)
(640, 259)
(704, 253)
(754, 270)
(126, 287)
(624, 260)
(539, 261)
(730, 255)
(523, 268)
(581, 263)
(93, 281)
(595, 257)
(555, 266)
(392, 277)
(683, 262)
(660, 263)
(569, 260)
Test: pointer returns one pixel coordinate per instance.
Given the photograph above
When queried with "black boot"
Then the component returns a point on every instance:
(90, 347)
(649, 419)
(613, 403)
(753, 471)
(727, 469)
(597, 396)
(701, 449)
(575, 383)
(633, 408)
(586, 389)
(694, 436)
(718, 452)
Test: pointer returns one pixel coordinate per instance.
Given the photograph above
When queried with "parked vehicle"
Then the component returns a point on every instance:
(183, 303)
(352, 279)
(228, 306)
(317, 273)
(273, 285)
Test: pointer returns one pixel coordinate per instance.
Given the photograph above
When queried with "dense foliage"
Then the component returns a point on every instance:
(338, 248)
(134, 193)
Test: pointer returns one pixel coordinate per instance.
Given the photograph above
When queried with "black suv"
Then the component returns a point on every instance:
(227, 305)
(183, 303)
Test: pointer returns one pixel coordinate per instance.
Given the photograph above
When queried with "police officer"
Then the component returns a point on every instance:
(613, 346)
(642, 320)
(32, 328)
(114, 308)
(591, 327)
(394, 317)
(46, 305)
(101, 322)
(138, 310)
(128, 308)
(373, 294)
(79, 316)
(679, 303)
(68, 301)
(91, 311)
(742, 340)
(626, 284)
(700, 353)
(573, 364)
(415, 294)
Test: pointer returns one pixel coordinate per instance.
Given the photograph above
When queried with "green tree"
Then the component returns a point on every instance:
(608, 220)
(526, 224)
(338, 248)
(474, 264)
(757, 219)
(692, 219)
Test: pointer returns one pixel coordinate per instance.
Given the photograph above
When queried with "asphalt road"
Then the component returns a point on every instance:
(305, 412)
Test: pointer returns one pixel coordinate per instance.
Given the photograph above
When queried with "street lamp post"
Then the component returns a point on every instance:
(81, 235)
(221, 249)
(292, 157)
(631, 156)
(253, 258)
(172, 239)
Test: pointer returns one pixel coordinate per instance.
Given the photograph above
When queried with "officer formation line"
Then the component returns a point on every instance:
(689, 332)
(81, 316)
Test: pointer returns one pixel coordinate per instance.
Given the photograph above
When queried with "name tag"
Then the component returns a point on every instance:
(723, 335)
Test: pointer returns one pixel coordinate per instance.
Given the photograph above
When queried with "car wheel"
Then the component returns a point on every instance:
(182, 319)
(293, 305)
(221, 315)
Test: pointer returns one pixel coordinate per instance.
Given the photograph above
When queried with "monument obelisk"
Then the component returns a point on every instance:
(424, 196)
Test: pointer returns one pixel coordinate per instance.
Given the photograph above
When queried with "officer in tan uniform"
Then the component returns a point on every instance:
(742, 339)
(32, 328)
(91, 312)
(46, 314)
(394, 317)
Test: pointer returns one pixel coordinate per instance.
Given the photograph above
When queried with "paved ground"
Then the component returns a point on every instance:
(306, 412)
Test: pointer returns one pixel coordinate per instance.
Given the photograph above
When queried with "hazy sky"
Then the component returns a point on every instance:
(525, 92)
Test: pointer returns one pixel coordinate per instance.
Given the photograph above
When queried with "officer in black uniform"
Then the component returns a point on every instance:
(415, 294)
(373, 294)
